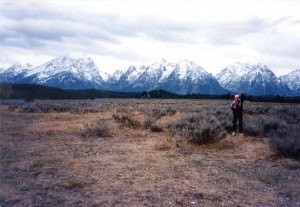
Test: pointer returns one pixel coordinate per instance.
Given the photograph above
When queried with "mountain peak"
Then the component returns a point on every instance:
(252, 79)
(292, 80)
(74, 56)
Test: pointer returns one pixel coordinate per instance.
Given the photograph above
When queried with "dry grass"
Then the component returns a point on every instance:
(45, 160)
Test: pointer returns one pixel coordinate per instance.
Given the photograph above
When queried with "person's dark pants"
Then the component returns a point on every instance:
(238, 116)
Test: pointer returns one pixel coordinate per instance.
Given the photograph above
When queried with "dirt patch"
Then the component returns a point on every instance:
(46, 161)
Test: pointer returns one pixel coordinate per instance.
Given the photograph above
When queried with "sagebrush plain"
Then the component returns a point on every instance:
(144, 152)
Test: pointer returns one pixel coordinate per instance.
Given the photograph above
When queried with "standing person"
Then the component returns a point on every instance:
(237, 109)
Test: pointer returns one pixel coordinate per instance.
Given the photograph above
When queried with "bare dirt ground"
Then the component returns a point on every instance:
(46, 161)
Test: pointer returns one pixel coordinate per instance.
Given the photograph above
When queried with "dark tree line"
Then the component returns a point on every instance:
(29, 92)
(168, 95)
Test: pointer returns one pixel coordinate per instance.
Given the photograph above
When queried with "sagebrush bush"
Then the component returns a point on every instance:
(199, 128)
(148, 122)
(263, 125)
(158, 113)
(96, 130)
(287, 141)
(127, 120)
(124, 109)
(252, 128)
(171, 111)
(207, 133)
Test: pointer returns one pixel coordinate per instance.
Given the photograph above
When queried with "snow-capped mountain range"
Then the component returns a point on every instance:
(184, 77)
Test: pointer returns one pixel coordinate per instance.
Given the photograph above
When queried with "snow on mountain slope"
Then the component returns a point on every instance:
(292, 80)
(83, 68)
(182, 77)
(151, 76)
(66, 72)
(116, 75)
(104, 75)
(14, 72)
(252, 79)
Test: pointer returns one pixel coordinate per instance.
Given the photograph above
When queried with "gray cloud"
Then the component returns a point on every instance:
(50, 22)
(58, 28)
(35, 22)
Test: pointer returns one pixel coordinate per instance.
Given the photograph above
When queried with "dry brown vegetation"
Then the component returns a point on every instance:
(134, 152)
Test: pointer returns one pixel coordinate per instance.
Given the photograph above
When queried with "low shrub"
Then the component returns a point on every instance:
(199, 128)
(96, 130)
(252, 128)
(148, 122)
(263, 125)
(125, 109)
(287, 141)
(171, 111)
(157, 113)
(207, 133)
(127, 120)
(30, 108)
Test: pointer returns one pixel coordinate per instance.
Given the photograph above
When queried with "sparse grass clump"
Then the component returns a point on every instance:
(156, 128)
(164, 144)
(222, 145)
(74, 183)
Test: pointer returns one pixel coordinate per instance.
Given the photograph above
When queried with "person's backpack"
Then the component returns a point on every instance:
(235, 103)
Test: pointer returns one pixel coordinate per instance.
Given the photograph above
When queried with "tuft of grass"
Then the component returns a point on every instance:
(222, 146)
(155, 128)
(293, 166)
(74, 183)
(269, 179)
(199, 163)
(164, 144)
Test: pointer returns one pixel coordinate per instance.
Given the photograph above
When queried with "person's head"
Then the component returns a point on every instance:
(242, 96)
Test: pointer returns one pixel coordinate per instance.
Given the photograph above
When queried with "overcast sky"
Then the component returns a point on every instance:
(116, 34)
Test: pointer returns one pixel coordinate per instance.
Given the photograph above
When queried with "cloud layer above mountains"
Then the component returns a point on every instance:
(119, 33)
